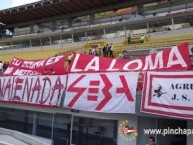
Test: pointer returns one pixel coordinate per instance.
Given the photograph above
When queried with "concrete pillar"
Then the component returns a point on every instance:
(11, 45)
(53, 26)
(52, 134)
(189, 138)
(148, 27)
(50, 40)
(61, 41)
(92, 17)
(41, 43)
(71, 129)
(172, 23)
(69, 23)
(104, 33)
(30, 43)
(21, 46)
(145, 123)
(31, 28)
(72, 37)
(124, 139)
(86, 36)
(35, 123)
(139, 9)
(125, 32)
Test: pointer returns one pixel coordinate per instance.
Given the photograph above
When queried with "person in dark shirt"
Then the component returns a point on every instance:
(105, 51)
(129, 39)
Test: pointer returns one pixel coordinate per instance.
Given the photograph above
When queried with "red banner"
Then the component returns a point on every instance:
(175, 58)
(33, 90)
(50, 66)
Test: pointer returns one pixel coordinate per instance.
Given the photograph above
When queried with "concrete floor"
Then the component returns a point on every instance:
(9, 140)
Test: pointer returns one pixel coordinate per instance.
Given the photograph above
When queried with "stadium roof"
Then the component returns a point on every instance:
(48, 10)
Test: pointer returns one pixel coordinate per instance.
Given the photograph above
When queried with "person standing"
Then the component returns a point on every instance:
(105, 51)
(129, 39)
(142, 39)
(111, 50)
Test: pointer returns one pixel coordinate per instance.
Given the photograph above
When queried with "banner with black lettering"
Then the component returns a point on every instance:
(168, 94)
(102, 92)
(33, 90)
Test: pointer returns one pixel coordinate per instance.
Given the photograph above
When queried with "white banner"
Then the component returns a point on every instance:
(33, 90)
(102, 92)
(169, 94)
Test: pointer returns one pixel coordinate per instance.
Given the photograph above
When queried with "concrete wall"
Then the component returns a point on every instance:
(190, 137)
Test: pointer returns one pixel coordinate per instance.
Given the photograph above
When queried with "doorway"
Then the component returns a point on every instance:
(171, 125)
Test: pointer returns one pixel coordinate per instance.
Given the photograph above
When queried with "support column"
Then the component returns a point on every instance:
(104, 33)
(41, 43)
(86, 36)
(72, 37)
(172, 23)
(35, 123)
(11, 45)
(53, 27)
(21, 46)
(3, 48)
(30, 43)
(139, 9)
(50, 40)
(69, 23)
(148, 27)
(125, 32)
(189, 138)
(92, 17)
(71, 129)
(52, 134)
(26, 121)
(31, 28)
(61, 41)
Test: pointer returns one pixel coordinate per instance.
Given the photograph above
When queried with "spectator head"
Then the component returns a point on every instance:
(126, 54)
(151, 140)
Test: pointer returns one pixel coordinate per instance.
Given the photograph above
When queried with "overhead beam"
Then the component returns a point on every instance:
(86, 12)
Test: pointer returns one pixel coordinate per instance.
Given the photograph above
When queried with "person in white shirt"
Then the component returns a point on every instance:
(111, 50)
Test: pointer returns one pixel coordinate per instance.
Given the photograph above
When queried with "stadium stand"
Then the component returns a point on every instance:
(54, 27)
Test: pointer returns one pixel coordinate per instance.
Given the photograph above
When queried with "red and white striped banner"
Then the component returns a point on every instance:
(168, 94)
